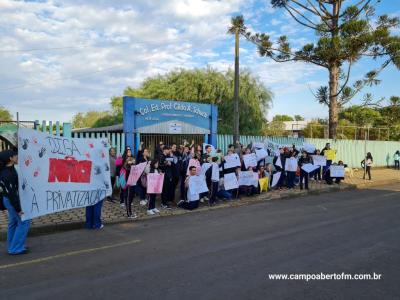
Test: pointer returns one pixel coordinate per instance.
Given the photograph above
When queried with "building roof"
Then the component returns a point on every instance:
(111, 128)
(295, 125)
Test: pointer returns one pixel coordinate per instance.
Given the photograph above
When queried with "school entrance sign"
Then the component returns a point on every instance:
(58, 173)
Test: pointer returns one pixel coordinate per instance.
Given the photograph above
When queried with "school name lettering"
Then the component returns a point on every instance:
(62, 200)
(172, 106)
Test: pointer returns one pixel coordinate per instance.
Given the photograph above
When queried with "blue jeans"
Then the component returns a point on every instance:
(17, 229)
(93, 216)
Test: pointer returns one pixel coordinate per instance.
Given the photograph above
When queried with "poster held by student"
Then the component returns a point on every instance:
(155, 183)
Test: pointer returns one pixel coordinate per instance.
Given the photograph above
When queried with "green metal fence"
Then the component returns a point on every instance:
(350, 151)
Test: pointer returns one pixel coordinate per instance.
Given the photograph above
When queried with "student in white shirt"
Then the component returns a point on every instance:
(192, 198)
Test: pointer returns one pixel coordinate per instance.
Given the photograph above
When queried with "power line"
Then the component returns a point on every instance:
(45, 49)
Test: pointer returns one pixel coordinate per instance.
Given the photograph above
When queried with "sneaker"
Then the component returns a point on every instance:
(165, 206)
(133, 216)
(143, 202)
(155, 210)
(25, 251)
(150, 212)
(101, 226)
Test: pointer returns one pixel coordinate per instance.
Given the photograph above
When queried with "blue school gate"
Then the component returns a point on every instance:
(151, 121)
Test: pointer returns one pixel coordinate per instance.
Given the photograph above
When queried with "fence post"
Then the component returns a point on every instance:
(67, 130)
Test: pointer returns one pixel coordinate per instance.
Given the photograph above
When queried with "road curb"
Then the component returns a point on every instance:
(54, 228)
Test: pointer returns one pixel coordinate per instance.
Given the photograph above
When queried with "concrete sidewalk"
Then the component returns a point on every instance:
(113, 213)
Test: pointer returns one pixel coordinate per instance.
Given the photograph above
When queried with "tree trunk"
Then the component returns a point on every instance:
(236, 91)
(333, 103)
(334, 74)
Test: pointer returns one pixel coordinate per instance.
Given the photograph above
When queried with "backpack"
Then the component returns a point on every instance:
(121, 181)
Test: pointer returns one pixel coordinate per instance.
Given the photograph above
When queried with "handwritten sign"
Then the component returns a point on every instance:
(155, 183)
(275, 179)
(308, 168)
(135, 173)
(250, 160)
(232, 161)
(230, 181)
(291, 164)
(336, 171)
(261, 154)
(204, 168)
(319, 160)
(247, 178)
(197, 184)
(59, 173)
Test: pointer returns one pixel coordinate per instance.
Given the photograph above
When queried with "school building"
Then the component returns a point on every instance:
(151, 121)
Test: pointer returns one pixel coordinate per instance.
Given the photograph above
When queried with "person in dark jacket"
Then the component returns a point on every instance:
(303, 160)
(280, 167)
(167, 167)
(17, 229)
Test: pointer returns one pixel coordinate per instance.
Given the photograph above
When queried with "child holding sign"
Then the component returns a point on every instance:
(192, 198)
(152, 210)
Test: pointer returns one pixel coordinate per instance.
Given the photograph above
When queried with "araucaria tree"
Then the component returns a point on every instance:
(344, 36)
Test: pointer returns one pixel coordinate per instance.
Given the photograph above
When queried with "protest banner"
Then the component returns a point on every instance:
(261, 154)
(232, 161)
(155, 183)
(319, 160)
(263, 184)
(291, 164)
(336, 171)
(230, 181)
(275, 179)
(330, 154)
(250, 160)
(197, 184)
(58, 173)
(247, 178)
(308, 168)
(196, 163)
(135, 173)
(255, 176)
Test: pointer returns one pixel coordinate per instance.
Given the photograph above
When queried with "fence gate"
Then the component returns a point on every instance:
(151, 140)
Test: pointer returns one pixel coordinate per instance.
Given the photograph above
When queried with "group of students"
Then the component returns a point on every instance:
(174, 162)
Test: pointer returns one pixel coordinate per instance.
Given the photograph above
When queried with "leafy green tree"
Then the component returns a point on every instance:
(345, 34)
(88, 119)
(361, 116)
(282, 118)
(275, 128)
(298, 118)
(209, 86)
(5, 114)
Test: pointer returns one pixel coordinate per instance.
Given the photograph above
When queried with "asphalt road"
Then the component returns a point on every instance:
(222, 254)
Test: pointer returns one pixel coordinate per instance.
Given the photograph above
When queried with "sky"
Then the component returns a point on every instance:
(58, 58)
